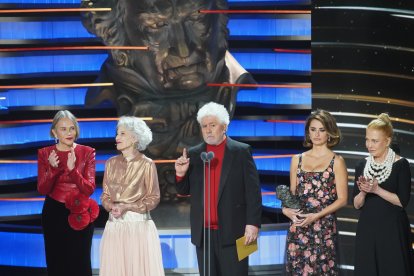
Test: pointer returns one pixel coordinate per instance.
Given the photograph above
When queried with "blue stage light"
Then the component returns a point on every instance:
(51, 63)
(32, 133)
(76, 97)
(92, 62)
(43, 30)
(274, 61)
(239, 27)
(270, 27)
(27, 249)
(44, 97)
(77, 2)
(276, 96)
(24, 171)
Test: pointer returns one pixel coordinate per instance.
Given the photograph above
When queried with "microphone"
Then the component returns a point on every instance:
(203, 156)
(210, 155)
(207, 156)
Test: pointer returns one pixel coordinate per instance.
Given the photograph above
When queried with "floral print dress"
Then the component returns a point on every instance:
(311, 250)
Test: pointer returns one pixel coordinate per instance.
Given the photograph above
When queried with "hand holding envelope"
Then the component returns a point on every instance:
(245, 250)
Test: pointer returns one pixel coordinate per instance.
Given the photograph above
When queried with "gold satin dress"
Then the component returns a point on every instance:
(130, 244)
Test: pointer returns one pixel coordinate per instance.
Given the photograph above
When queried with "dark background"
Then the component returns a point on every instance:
(363, 65)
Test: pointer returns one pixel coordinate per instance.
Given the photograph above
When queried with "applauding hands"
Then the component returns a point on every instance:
(54, 159)
(366, 185)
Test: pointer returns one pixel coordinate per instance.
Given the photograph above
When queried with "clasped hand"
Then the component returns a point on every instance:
(118, 209)
(293, 214)
(299, 218)
(367, 185)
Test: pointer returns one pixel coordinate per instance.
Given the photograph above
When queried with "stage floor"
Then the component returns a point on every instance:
(21, 248)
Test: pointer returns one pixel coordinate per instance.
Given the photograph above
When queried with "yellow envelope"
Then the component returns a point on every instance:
(245, 250)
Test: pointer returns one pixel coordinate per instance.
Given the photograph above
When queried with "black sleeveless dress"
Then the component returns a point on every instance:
(383, 245)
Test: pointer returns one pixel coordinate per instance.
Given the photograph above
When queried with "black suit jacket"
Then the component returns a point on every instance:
(239, 196)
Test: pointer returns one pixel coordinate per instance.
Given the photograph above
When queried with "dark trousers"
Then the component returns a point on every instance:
(68, 251)
(223, 259)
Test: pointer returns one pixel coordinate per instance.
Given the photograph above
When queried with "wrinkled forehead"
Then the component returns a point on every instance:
(168, 6)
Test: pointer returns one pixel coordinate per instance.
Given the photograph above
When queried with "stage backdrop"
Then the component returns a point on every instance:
(362, 65)
(252, 56)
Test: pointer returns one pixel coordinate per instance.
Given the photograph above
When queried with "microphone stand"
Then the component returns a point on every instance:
(209, 213)
(207, 157)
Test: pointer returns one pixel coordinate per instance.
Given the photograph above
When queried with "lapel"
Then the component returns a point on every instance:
(227, 164)
(196, 152)
(198, 167)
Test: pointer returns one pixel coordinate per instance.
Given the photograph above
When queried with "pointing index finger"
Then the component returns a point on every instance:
(185, 153)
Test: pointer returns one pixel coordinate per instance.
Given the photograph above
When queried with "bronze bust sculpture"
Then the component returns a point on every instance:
(187, 50)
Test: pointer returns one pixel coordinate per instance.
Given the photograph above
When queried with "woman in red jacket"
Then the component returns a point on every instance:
(66, 175)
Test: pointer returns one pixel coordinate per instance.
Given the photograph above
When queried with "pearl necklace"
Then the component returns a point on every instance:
(379, 171)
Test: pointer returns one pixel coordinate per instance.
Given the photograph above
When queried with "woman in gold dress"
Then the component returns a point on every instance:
(130, 243)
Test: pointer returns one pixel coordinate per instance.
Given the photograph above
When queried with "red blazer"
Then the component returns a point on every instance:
(59, 182)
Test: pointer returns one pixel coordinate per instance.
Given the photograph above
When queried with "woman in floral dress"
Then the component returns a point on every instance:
(319, 178)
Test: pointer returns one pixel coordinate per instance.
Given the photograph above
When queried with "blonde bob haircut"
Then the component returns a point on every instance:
(329, 123)
(64, 114)
(382, 122)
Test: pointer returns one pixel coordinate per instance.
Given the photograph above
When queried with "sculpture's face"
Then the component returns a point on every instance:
(185, 46)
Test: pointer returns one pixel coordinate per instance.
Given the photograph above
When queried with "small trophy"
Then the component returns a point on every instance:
(288, 200)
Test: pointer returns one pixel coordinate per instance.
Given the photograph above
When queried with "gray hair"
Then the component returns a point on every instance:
(139, 129)
(214, 109)
(64, 114)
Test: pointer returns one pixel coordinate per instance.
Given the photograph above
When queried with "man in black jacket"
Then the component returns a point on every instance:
(229, 205)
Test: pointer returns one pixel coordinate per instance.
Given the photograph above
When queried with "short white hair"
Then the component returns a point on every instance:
(214, 109)
(139, 129)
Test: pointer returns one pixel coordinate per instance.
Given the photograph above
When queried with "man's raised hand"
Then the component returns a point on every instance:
(182, 164)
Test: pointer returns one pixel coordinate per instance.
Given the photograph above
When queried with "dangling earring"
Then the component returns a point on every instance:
(56, 140)
(329, 138)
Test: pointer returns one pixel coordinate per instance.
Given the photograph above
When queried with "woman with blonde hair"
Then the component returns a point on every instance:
(382, 191)
(66, 172)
